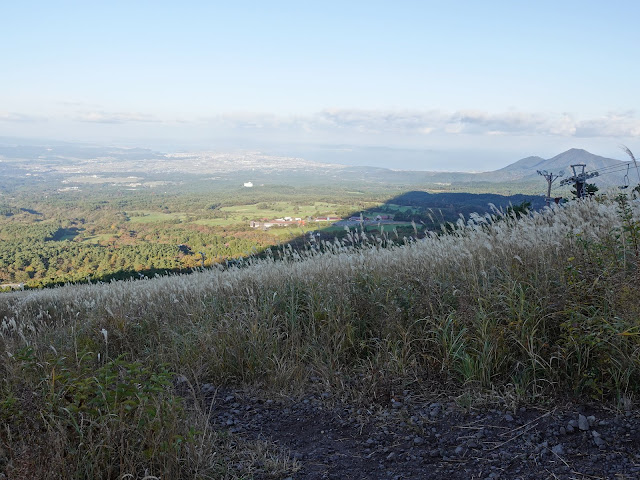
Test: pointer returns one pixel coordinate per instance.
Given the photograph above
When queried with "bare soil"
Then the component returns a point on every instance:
(410, 439)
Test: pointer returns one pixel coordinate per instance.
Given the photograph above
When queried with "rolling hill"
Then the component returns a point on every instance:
(527, 167)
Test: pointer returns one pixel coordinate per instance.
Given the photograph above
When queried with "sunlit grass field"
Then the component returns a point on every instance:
(526, 309)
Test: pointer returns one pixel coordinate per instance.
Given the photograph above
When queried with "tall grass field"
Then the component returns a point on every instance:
(532, 309)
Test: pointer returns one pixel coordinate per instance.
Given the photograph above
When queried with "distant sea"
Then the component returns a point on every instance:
(398, 158)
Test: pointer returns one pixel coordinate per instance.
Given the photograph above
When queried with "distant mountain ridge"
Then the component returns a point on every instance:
(526, 169)
(563, 161)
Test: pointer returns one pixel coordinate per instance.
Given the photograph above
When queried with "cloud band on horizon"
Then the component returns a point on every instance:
(378, 122)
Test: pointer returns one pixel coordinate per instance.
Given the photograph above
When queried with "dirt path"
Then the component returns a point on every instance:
(436, 441)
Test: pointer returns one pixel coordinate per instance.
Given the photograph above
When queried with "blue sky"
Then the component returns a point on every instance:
(505, 79)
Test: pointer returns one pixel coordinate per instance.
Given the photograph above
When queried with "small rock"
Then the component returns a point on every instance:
(207, 388)
(558, 449)
(459, 450)
(562, 431)
(418, 441)
(391, 456)
(508, 418)
(592, 420)
(597, 439)
(583, 423)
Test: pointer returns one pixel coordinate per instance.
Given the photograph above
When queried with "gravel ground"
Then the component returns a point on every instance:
(408, 439)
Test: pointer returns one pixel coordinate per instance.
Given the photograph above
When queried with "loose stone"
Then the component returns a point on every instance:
(583, 423)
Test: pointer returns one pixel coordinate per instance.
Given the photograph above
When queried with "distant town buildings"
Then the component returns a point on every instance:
(248, 184)
(278, 222)
(289, 221)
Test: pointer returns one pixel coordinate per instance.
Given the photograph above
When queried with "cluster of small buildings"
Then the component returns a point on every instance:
(289, 221)
(278, 222)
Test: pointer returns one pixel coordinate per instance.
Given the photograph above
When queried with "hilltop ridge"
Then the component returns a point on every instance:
(561, 162)
(525, 171)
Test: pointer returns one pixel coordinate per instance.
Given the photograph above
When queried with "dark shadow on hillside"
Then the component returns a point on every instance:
(409, 215)
(30, 211)
(64, 234)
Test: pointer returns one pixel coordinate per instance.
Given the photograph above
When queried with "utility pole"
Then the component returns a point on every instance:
(579, 178)
(550, 178)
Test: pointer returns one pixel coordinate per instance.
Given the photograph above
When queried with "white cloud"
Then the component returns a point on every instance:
(377, 122)
(474, 122)
(114, 117)
(624, 124)
(338, 123)
(21, 117)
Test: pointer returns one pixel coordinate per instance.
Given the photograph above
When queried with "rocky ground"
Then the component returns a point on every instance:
(410, 439)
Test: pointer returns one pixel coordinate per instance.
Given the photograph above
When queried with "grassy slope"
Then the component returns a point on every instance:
(534, 308)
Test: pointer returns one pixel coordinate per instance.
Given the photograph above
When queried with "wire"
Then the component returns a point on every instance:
(611, 170)
(608, 170)
(614, 167)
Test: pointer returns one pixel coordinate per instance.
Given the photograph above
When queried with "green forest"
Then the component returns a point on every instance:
(51, 238)
(54, 238)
